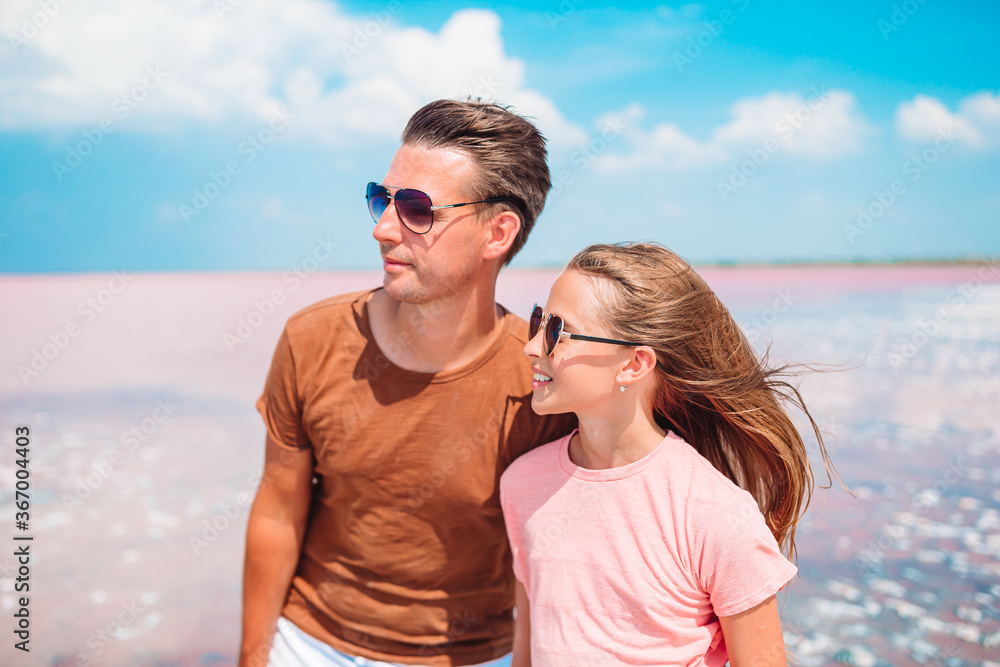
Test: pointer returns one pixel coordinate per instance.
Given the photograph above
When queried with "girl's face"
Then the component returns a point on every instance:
(579, 376)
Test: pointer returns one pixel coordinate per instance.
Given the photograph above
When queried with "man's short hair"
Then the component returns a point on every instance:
(508, 149)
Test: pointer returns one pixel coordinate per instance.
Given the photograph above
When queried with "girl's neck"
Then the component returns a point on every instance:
(611, 443)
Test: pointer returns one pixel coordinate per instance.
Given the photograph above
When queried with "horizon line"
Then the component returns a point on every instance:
(722, 264)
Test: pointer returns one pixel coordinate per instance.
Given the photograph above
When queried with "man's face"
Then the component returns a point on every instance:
(420, 268)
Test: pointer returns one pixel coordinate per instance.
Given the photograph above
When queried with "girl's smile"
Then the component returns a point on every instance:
(539, 379)
(579, 375)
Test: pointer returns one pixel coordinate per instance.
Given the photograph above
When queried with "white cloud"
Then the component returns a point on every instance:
(343, 77)
(824, 126)
(976, 123)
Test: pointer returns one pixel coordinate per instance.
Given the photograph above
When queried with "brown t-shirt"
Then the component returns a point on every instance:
(405, 557)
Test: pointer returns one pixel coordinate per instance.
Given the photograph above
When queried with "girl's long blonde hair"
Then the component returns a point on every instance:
(714, 392)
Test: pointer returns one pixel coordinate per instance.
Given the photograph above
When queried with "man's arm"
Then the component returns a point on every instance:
(275, 529)
(753, 637)
(522, 628)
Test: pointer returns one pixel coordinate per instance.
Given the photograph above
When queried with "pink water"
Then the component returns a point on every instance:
(904, 573)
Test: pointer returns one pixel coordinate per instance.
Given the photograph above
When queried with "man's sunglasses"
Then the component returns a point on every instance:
(413, 206)
(553, 332)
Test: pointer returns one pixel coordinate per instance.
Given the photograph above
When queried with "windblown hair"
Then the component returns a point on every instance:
(508, 149)
(714, 392)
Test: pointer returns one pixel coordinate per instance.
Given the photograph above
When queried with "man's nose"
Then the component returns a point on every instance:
(388, 229)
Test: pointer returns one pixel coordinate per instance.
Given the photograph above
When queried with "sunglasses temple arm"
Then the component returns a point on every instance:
(595, 339)
(470, 203)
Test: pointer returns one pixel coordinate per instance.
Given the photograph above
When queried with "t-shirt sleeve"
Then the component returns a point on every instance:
(280, 405)
(741, 565)
(514, 527)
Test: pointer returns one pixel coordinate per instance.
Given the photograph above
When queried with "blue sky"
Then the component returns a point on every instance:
(232, 135)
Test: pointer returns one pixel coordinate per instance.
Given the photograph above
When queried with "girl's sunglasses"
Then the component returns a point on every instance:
(553, 332)
(413, 206)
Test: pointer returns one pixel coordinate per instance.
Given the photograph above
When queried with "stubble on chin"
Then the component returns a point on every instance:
(396, 290)
(428, 287)
(417, 288)
(411, 288)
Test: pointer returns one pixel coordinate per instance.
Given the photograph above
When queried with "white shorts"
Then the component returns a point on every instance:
(293, 648)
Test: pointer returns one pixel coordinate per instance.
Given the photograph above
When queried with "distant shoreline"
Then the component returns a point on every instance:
(909, 263)
(904, 263)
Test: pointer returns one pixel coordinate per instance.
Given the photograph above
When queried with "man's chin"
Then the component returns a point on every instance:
(400, 289)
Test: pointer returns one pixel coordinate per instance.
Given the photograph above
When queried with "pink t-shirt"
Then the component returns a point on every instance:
(634, 565)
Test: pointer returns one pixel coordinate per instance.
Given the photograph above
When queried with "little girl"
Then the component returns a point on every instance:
(650, 535)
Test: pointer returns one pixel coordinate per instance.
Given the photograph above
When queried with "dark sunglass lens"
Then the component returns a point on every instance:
(552, 330)
(534, 322)
(414, 207)
(378, 200)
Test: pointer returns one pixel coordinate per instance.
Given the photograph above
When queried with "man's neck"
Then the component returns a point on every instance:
(436, 336)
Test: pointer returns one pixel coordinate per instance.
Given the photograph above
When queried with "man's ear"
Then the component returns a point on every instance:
(503, 229)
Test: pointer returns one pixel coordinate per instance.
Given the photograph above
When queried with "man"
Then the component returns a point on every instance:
(405, 404)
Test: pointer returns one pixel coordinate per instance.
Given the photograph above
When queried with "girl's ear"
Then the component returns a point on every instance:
(642, 363)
